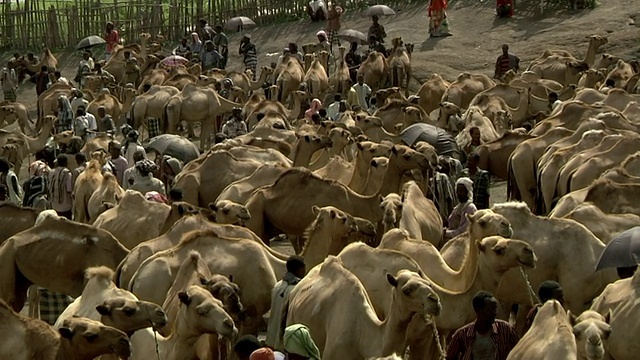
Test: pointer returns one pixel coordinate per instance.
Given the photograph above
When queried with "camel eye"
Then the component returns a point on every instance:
(499, 251)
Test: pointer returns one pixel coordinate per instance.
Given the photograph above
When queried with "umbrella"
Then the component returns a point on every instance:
(442, 141)
(174, 60)
(353, 36)
(175, 146)
(238, 23)
(90, 41)
(622, 251)
(379, 10)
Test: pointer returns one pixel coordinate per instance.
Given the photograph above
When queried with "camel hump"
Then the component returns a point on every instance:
(463, 76)
(100, 272)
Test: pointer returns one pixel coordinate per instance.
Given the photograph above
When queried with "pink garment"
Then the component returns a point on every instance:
(458, 222)
(316, 105)
(38, 168)
(156, 197)
(112, 38)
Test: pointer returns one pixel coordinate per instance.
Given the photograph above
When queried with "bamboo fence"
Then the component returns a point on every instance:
(33, 24)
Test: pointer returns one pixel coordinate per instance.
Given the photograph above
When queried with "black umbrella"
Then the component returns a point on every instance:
(379, 10)
(622, 251)
(439, 138)
(90, 41)
(353, 36)
(175, 146)
(239, 22)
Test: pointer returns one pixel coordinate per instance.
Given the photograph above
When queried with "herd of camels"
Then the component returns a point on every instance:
(183, 280)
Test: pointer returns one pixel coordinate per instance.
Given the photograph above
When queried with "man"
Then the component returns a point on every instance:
(9, 178)
(9, 83)
(334, 108)
(92, 124)
(245, 346)
(506, 62)
(457, 223)
(554, 102)
(61, 188)
(206, 32)
(548, 290)
(117, 162)
(80, 124)
(132, 145)
(234, 126)
(85, 67)
(221, 43)
(296, 270)
(323, 43)
(250, 53)
(317, 10)
(42, 80)
(132, 68)
(353, 60)
(57, 75)
(376, 30)
(209, 57)
(112, 38)
(476, 141)
(486, 338)
(363, 92)
(131, 175)
(78, 101)
(333, 24)
(481, 181)
(106, 124)
(32, 59)
(376, 45)
(106, 76)
(81, 161)
(183, 49)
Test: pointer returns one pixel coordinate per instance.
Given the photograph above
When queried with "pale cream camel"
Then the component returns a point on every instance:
(110, 103)
(86, 184)
(396, 111)
(367, 150)
(562, 69)
(399, 61)
(11, 112)
(316, 78)
(619, 99)
(28, 258)
(340, 79)
(375, 70)
(247, 84)
(621, 73)
(14, 219)
(289, 74)
(614, 198)
(252, 265)
(273, 205)
(25, 337)
(151, 104)
(106, 196)
(17, 146)
(591, 331)
(573, 113)
(466, 86)
(48, 100)
(592, 78)
(620, 299)
(338, 169)
(123, 222)
(595, 42)
(388, 336)
(431, 92)
(239, 191)
(473, 117)
(420, 217)
(379, 166)
(528, 79)
(271, 108)
(229, 212)
(549, 338)
(340, 139)
(490, 105)
(373, 128)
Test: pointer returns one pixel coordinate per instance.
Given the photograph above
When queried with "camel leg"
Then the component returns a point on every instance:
(34, 302)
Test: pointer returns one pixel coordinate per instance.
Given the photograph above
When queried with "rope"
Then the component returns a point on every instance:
(533, 297)
(155, 335)
(436, 336)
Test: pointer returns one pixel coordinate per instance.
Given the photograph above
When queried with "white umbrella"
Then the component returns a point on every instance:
(239, 22)
(379, 10)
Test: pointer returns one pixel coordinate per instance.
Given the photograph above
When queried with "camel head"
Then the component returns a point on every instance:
(502, 254)
(396, 42)
(368, 122)
(370, 149)
(309, 48)
(509, 77)
(414, 294)
(503, 120)
(412, 115)
(409, 48)
(339, 137)
(224, 289)
(338, 222)
(486, 222)
(63, 138)
(366, 231)
(390, 93)
(228, 212)
(427, 150)
(317, 142)
(391, 206)
(591, 331)
(204, 80)
(408, 159)
(204, 313)
(597, 40)
(131, 315)
(448, 108)
(90, 338)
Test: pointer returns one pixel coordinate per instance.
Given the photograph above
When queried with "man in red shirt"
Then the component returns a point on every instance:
(112, 38)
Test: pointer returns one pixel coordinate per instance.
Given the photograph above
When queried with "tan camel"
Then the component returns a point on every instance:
(180, 80)
(529, 80)
(316, 79)
(622, 72)
(332, 277)
(110, 103)
(420, 217)
(47, 59)
(259, 271)
(340, 139)
(613, 198)
(400, 63)
(86, 184)
(340, 79)
(247, 84)
(379, 166)
(431, 92)
(288, 77)
(375, 70)
(367, 150)
(14, 219)
(473, 117)
(395, 111)
(373, 128)
(48, 100)
(151, 104)
(305, 147)
(239, 191)
(494, 156)
(27, 258)
(270, 108)
(229, 212)
(106, 196)
(338, 169)
(595, 42)
(129, 229)
(17, 146)
(10, 112)
(592, 79)
(273, 204)
(466, 86)
(550, 336)
(632, 111)
(196, 104)
(565, 70)
(591, 331)
(619, 299)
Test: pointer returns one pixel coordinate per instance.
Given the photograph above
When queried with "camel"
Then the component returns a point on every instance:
(289, 74)
(419, 215)
(338, 169)
(494, 156)
(107, 195)
(490, 105)
(613, 198)
(48, 100)
(550, 336)
(129, 229)
(592, 79)
(473, 117)
(258, 271)
(151, 104)
(619, 299)
(10, 112)
(86, 184)
(621, 73)
(276, 115)
(340, 78)
(316, 78)
(15, 219)
(595, 42)
(348, 343)
(196, 104)
(110, 103)
(528, 80)
(247, 84)
(375, 70)
(340, 139)
(239, 191)
(373, 129)
(17, 146)
(396, 111)
(400, 63)
(591, 331)
(367, 150)
(229, 212)
(267, 205)
(431, 92)
(565, 70)
(27, 258)
(466, 86)
(47, 59)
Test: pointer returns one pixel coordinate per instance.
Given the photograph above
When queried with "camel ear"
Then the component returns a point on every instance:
(572, 318)
(333, 214)
(359, 145)
(480, 246)
(230, 277)
(392, 280)
(65, 332)
(213, 207)
(203, 280)
(380, 197)
(315, 209)
(103, 310)
(184, 298)
(607, 317)
(182, 209)
(307, 138)
(470, 218)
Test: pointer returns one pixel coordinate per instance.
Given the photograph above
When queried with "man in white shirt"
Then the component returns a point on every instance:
(334, 108)
(554, 102)
(363, 91)
(78, 101)
(92, 124)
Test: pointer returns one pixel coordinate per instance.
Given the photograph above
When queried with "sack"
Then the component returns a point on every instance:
(34, 187)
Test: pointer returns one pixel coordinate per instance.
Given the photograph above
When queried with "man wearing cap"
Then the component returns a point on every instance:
(132, 145)
(221, 43)
(317, 10)
(112, 38)
(92, 124)
(234, 126)
(333, 24)
(250, 53)
(117, 162)
(209, 57)
(106, 124)
(323, 42)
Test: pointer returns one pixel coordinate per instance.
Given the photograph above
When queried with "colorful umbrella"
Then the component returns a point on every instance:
(174, 60)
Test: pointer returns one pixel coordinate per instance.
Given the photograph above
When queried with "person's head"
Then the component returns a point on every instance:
(57, 74)
(62, 161)
(80, 111)
(263, 354)
(102, 111)
(175, 194)
(30, 56)
(145, 167)
(208, 45)
(354, 46)
(293, 48)
(505, 49)
(172, 166)
(98, 66)
(85, 56)
(202, 22)
(551, 290)
(132, 135)
(298, 343)
(246, 39)
(109, 26)
(360, 79)
(553, 97)
(80, 158)
(218, 29)
(374, 18)
(5, 166)
(464, 189)
(337, 97)
(296, 266)
(114, 148)
(286, 51)
(343, 106)
(323, 113)
(146, 87)
(473, 160)
(474, 131)
(183, 41)
(316, 118)
(372, 40)
(273, 65)
(194, 37)
(3, 192)
(138, 155)
(245, 346)
(610, 83)
(237, 112)
(485, 307)
(321, 35)
(44, 68)
(626, 272)
(16, 55)
(127, 54)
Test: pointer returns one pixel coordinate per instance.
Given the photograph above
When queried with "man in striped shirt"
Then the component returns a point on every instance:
(506, 62)
(486, 338)
(248, 49)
